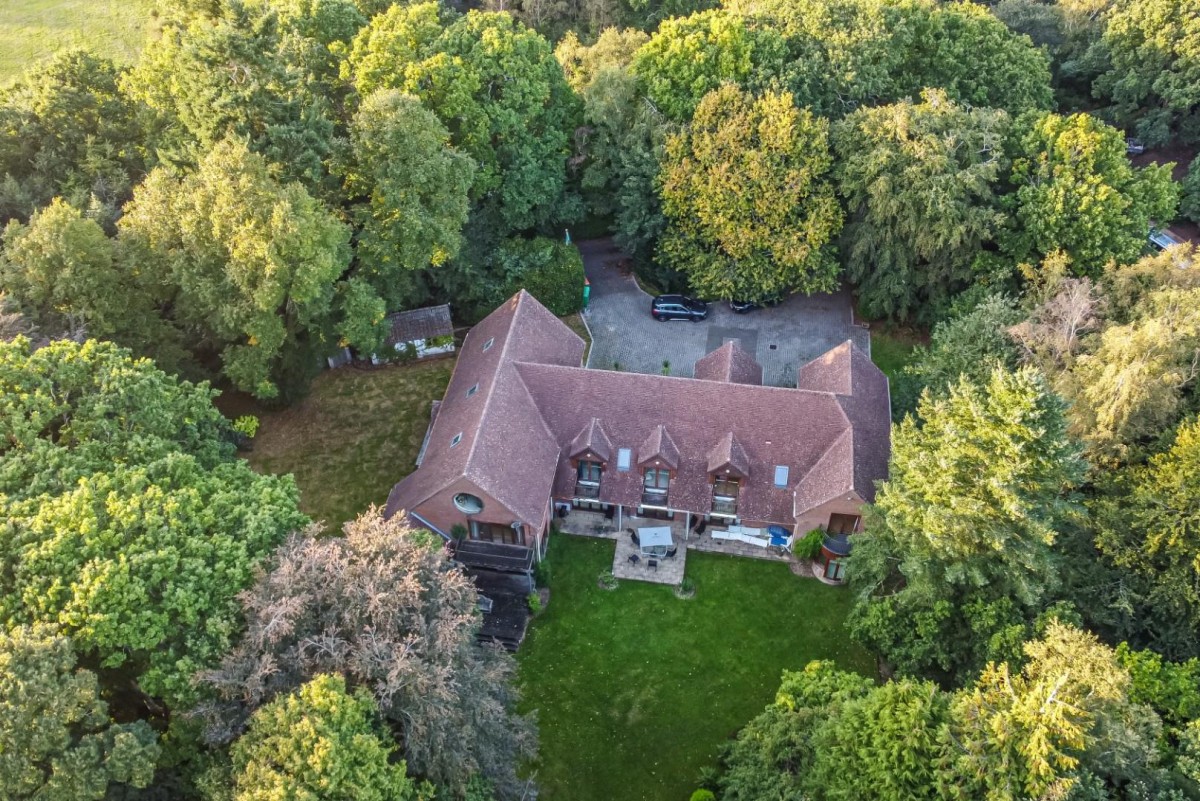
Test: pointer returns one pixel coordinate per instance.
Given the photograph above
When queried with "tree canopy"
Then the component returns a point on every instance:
(128, 524)
(250, 262)
(1075, 192)
(750, 210)
(955, 560)
(920, 183)
(56, 738)
(385, 607)
(319, 743)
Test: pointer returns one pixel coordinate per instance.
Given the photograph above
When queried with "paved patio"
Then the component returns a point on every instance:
(668, 571)
(781, 339)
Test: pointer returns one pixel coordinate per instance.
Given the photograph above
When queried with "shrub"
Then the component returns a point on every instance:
(1189, 202)
(535, 602)
(246, 425)
(607, 580)
(442, 341)
(458, 531)
(541, 573)
(549, 270)
(686, 588)
(808, 546)
(703, 795)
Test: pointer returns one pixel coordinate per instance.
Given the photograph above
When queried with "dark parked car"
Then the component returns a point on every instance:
(747, 306)
(678, 307)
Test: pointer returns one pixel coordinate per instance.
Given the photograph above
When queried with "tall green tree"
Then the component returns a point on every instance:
(496, 87)
(69, 130)
(689, 57)
(66, 274)
(972, 344)
(210, 78)
(319, 742)
(1074, 191)
(956, 558)
(412, 189)
(1154, 81)
(249, 264)
(920, 182)
(1149, 524)
(56, 737)
(127, 522)
(749, 206)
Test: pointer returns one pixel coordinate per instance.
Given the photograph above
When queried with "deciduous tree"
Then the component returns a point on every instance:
(746, 193)
(414, 193)
(319, 742)
(69, 130)
(56, 738)
(689, 57)
(1074, 191)
(250, 264)
(385, 607)
(66, 274)
(920, 183)
(1154, 81)
(128, 524)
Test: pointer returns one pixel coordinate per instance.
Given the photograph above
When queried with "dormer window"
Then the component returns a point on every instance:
(725, 496)
(655, 484)
(587, 482)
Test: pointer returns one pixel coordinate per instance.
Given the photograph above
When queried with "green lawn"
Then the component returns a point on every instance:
(891, 350)
(33, 29)
(354, 436)
(636, 689)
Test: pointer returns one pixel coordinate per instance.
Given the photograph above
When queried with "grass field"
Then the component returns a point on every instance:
(891, 350)
(635, 689)
(30, 30)
(354, 436)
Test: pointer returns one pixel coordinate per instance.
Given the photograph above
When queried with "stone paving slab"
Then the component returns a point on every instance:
(781, 338)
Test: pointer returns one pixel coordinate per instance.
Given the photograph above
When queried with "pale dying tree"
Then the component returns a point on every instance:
(387, 609)
(1050, 337)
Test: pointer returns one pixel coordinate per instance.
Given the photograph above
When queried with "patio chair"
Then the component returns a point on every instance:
(671, 552)
(699, 527)
(633, 535)
(652, 564)
(634, 559)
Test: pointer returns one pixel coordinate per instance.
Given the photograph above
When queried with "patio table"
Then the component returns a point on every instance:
(655, 540)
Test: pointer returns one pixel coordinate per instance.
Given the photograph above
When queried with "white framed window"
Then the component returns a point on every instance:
(457, 438)
(624, 459)
(781, 475)
(468, 504)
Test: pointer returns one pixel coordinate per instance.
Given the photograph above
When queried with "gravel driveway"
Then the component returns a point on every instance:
(781, 338)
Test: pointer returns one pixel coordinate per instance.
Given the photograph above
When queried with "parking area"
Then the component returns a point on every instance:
(780, 338)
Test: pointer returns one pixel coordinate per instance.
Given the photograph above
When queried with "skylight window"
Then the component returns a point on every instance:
(457, 438)
(487, 345)
(624, 458)
(474, 388)
(781, 475)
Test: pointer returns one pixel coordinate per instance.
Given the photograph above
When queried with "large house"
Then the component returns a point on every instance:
(524, 428)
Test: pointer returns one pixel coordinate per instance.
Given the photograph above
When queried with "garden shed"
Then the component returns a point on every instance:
(420, 332)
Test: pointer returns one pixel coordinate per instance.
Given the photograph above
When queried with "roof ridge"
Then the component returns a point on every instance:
(657, 377)
(500, 361)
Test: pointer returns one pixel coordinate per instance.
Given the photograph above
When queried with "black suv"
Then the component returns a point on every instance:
(678, 307)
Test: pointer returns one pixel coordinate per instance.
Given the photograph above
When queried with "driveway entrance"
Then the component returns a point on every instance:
(781, 338)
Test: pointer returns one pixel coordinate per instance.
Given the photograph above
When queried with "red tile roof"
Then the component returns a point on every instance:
(729, 363)
(536, 408)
